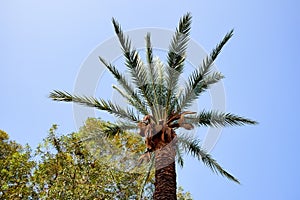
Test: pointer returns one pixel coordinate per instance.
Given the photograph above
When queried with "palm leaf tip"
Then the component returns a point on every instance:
(179, 42)
(124, 41)
(214, 54)
(116, 25)
(149, 51)
(238, 120)
(179, 156)
(216, 168)
(185, 23)
(57, 95)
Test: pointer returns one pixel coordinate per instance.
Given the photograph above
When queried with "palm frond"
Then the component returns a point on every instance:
(219, 119)
(149, 53)
(133, 63)
(209, 80)
(93, 102)
(194, 87)
(177, 48)
(189, 96)
(176, 55)
(160, 81)
(192, 146)
(152, 75)
(158, 88)
(179, 156)
(151, 65)
(132, 96)
(131, 100)
(122, 93)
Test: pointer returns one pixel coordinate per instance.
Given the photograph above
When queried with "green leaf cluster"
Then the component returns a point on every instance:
(15, 169)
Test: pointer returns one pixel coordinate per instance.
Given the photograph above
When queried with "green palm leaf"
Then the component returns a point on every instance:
(152, 77)
(218, 119)
(132, 97)
(192, 146)
(132, 100)
(93, 102)
(179, 156)
(195, 84)
(176, 57)
(133, 63)
(149, 55)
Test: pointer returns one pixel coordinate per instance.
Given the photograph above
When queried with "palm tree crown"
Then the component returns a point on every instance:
(153, 92)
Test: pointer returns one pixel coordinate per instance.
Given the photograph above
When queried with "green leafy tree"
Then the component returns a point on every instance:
(15, 170)
(154, 94)
(68, 170)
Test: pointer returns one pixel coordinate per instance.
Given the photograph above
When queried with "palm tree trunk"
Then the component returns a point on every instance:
(165, 173)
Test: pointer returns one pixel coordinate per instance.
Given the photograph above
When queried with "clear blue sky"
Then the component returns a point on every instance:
(43, 44)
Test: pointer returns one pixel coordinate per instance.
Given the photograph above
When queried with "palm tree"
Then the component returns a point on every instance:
(154, 93)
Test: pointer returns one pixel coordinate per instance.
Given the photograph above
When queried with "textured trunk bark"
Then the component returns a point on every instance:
(165, 173)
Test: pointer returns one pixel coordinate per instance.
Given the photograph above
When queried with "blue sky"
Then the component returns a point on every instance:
(43, 45)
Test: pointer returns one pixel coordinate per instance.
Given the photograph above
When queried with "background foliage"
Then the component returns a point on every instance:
(70, 167)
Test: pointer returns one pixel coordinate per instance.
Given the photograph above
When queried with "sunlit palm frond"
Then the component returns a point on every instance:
(176, 56)
(149, 55)
(131, 95)
(158, 89)
(132, 100)
(152, 71)
(100, 104)
(133, 63)
(193, 147)
(195, 84)
(179, 156)
(218, 119)
(177, 48)
(189, 96)
(152, 75)
(160, 81)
